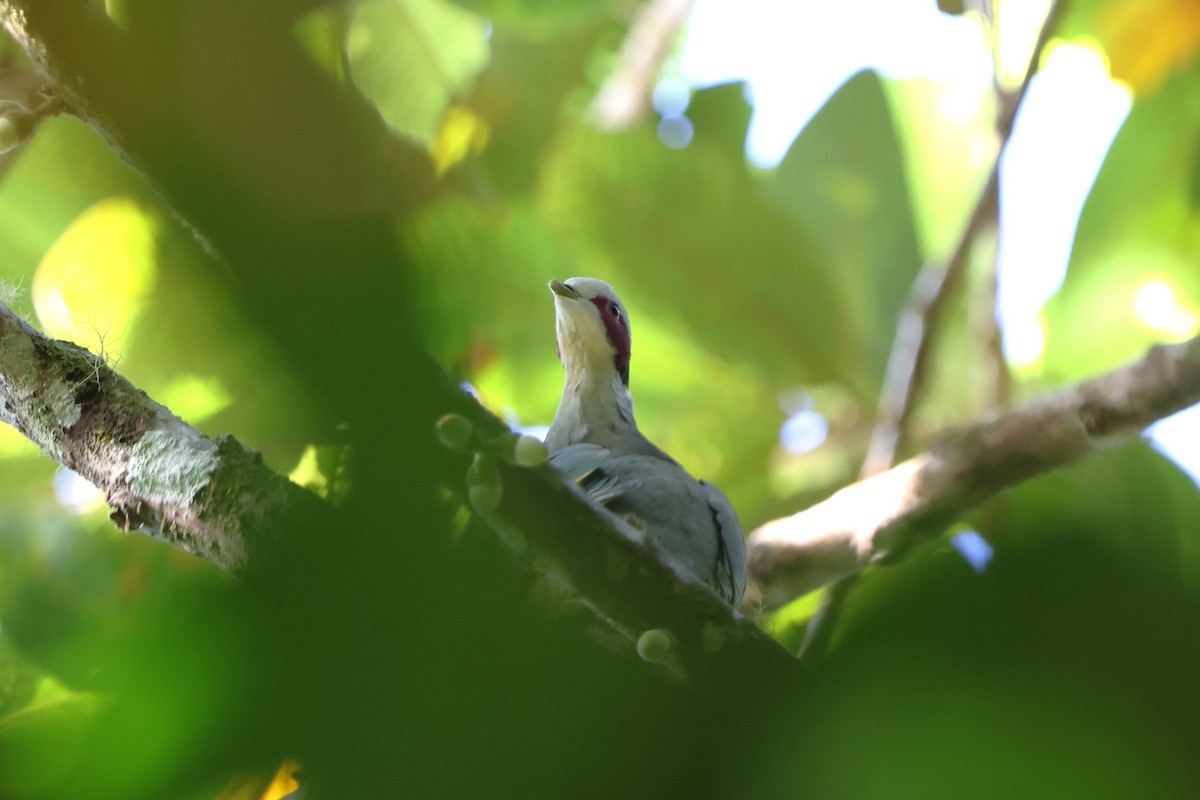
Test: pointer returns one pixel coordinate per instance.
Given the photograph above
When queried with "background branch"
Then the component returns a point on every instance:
(907, 365)
(915, 500)
(624, 97)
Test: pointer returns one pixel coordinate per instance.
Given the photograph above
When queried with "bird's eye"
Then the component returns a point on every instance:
(615, 310)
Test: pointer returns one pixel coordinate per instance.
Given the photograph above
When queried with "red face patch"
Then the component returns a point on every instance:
(617, 329)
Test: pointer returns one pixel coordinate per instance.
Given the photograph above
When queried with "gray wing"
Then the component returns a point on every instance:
(691, 521)
(583, 464)
(731, 551)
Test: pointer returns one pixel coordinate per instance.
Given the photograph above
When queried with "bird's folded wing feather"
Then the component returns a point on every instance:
(583, 463)
(664, 508)
(731, 563)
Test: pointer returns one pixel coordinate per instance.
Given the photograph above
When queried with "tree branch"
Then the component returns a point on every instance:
(596, 561)
(915, 500)
(218, 500)
(624, 97)
(208, 495)
(211, 497)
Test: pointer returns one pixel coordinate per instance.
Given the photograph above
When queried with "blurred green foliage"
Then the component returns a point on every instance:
(1138, 228)
(1066, 669)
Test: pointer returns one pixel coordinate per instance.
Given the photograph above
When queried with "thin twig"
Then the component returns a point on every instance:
(908, 364)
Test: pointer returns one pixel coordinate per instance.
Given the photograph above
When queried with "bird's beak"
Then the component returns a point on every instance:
(562, 290)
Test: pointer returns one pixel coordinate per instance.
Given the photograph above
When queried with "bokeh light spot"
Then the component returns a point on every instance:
(92, 282)
(76, 493)
(974, 549)
(1159, 308)
(803, 432)
(675, 132)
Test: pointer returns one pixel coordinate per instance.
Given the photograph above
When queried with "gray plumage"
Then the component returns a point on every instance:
(594, 440)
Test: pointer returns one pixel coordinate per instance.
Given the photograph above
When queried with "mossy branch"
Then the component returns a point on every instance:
(211, 497)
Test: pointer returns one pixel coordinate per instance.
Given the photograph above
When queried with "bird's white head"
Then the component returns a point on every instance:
(592, 327)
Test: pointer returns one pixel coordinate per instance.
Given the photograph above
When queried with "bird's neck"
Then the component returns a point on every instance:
(596, 407)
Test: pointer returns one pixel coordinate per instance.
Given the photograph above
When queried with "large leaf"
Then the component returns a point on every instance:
(694, 238)
(1132, 278)
(1064, 670)
(519, 98)
(62, 171)
(543, 16)
(412, 57)
(116, 272)
(844, 180)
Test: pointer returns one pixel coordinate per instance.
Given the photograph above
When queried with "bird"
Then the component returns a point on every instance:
(596, 443)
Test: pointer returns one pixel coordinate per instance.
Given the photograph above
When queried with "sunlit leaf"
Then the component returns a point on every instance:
(91, 283)
(462, 133)
(943, 129)
(321, 33)
(63, 171)
(411, 58)
(193, 397)
(1149, 40)
(1132, 279)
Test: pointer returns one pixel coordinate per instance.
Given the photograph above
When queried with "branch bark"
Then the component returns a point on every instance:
(216, 499)
(211, 497)
(915, 500)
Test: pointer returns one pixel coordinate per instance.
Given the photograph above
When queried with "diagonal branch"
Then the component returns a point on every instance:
(880, 515)
(211, 497)
(908, 363)
(218, 500)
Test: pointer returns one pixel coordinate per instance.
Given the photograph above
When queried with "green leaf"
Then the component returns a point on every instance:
(1144, 41)
(40, 744)
(542, 14)
(1131, 501)
(18, 678)
(522, 93)
(52, 180)
(700, 243)
(412, 58)
(1078, 637)
(843, 178)
(1132, 278)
